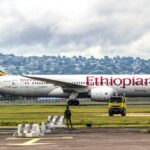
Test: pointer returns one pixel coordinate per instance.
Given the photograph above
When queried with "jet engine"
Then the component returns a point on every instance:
(101, 93)
(57, 91)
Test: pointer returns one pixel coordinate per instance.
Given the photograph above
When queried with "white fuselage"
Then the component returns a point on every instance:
(129, 85)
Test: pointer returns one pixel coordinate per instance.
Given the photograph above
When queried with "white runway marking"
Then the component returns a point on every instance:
(31, 141)
(49, 138)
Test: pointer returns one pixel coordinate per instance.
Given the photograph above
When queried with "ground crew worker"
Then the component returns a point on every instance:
(67, 115)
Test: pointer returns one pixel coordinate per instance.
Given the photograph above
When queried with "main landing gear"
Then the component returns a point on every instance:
(72, 99)
(73, 102)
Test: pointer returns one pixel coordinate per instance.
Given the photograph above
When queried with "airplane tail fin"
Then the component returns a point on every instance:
(3, 72)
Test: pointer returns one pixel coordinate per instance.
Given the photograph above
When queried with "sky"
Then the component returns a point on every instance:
(75, 27)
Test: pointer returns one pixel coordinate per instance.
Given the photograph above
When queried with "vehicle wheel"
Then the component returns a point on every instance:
(111, 114)
(123, 113)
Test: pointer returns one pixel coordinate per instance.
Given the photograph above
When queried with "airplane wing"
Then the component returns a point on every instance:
(55, 82)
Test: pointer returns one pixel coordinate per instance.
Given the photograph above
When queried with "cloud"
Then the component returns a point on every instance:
(141, 46)
(75, 27)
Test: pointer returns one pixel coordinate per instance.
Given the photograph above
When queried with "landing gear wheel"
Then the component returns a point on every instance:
(76, 103)
(70, 102)
(73, 102)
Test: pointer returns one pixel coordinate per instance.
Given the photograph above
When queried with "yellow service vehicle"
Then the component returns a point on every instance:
(117, 105)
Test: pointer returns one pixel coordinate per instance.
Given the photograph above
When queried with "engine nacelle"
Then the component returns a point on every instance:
(57, 91)
(101, 93)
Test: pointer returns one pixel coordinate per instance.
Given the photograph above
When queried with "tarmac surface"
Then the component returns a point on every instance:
(81, 139)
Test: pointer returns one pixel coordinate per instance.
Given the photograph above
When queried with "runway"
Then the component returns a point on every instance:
(82, 139)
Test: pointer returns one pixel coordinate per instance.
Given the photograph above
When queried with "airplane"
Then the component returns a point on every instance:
(95, 87)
